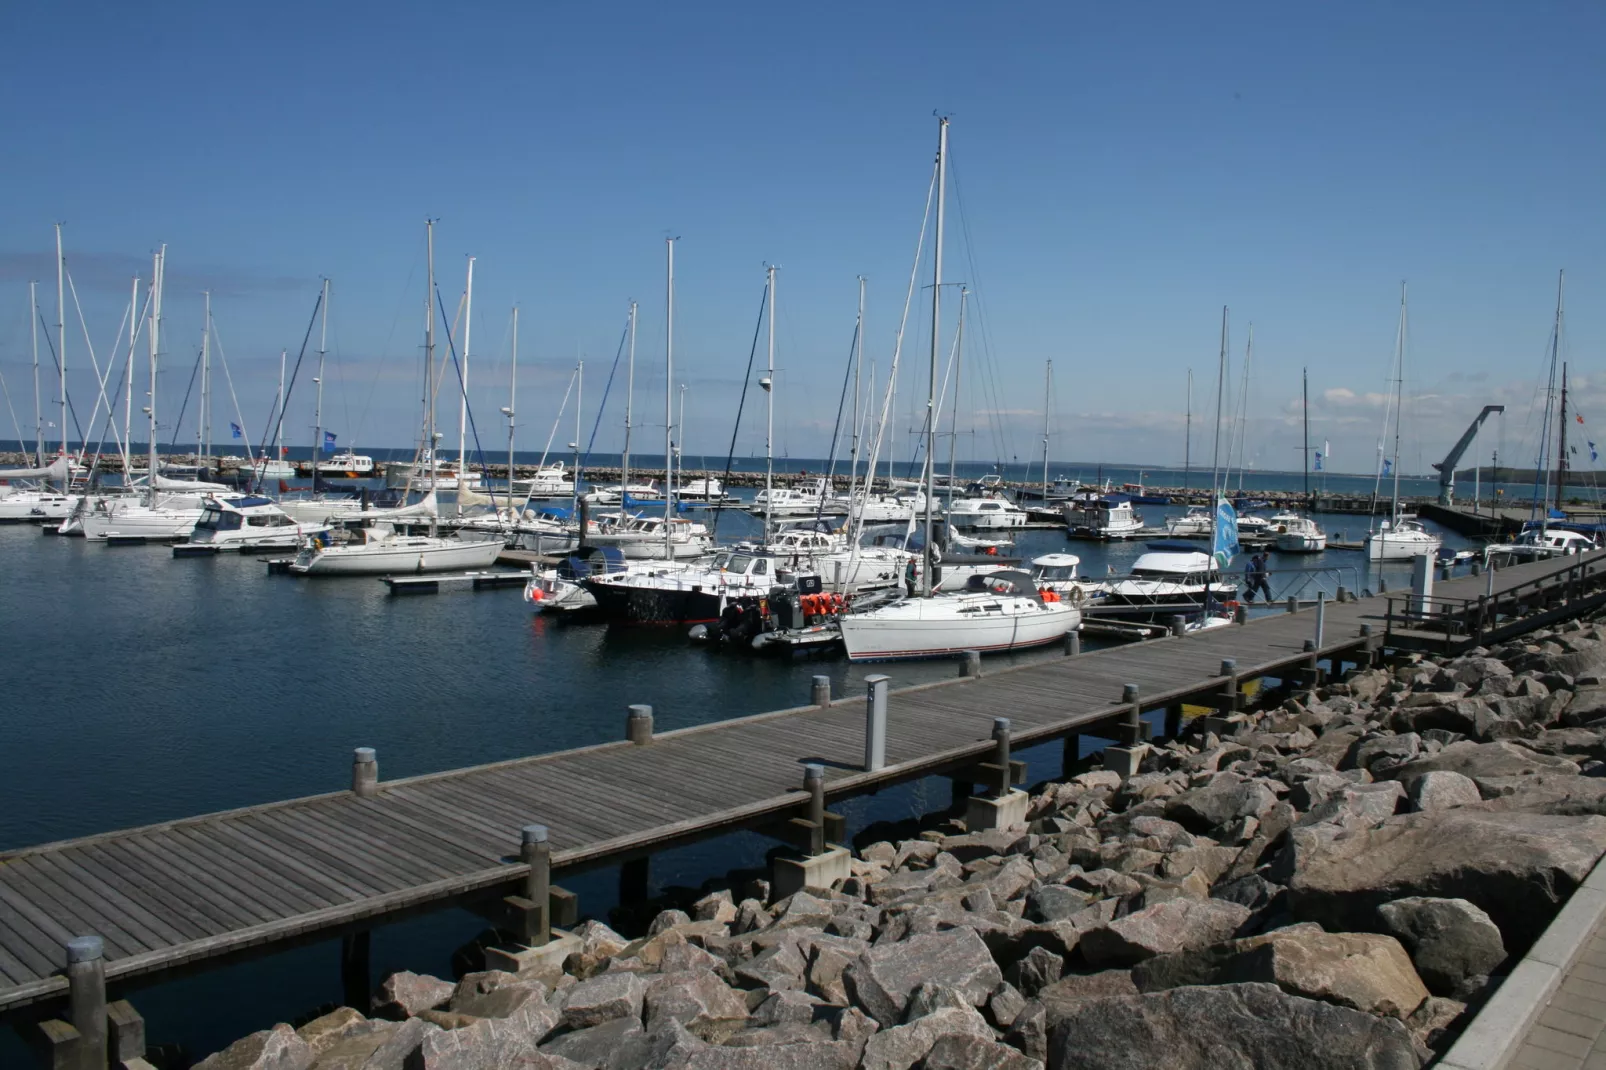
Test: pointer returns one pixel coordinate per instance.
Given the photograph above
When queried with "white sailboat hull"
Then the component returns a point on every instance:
(35, 505)
(141, 522)
(1299, 542)
(930, 628)
(398, 555)
(1401, 546)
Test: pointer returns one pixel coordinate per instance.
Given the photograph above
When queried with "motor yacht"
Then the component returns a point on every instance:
(669, 595)
(1172, 580)
(550, 481)
(988, 510)
(244, 523)
(644, 536)
(1058, 573)
(1108, 517)
(810, 500)
(1198, 522)
(1537, 543)
(1297, 534)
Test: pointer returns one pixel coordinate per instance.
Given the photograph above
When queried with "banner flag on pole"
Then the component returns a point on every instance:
(234, 429)
(1225, 543)
(328, 441)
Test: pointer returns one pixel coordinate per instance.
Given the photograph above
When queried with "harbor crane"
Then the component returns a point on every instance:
(1446, 467)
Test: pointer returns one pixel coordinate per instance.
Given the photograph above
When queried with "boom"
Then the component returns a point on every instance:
(1446, 467)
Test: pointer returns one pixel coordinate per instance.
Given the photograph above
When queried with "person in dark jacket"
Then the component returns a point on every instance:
(1255, 572)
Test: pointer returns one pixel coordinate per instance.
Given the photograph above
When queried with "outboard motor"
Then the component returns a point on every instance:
(784, 609)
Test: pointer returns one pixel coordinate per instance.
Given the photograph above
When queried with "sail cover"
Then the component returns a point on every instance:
(57, 469)
(189, 485)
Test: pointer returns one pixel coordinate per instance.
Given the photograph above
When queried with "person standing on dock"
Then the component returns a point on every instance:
(1255, 573)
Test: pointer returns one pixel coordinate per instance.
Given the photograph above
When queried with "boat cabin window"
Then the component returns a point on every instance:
(1056, 572)
(213, 519)
(761, 567)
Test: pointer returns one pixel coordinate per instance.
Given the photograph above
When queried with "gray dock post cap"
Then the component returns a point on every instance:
(1293, 603)
(1229, 666)
(638, 726)
(1240, 615)
(364, 755)
(970, 663)
(85, 949)
(1179, 624)
(364, 772)
(822, 691)
(1310, 646)
(1073, 644)
(533, 834)
(1366, 629)
(1129, 693)
(813, 771)
(1000, 727)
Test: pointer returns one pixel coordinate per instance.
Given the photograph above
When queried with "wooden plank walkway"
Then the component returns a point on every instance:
(174, 893)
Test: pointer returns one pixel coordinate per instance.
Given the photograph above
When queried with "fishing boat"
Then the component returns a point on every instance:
(997, 612)
(1168, 579)
(1399, 538)
(1107, 517)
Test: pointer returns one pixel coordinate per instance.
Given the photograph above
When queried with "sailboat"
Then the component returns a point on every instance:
(996, 612)
(1398, 538)
(383, 547)
(1297, 533)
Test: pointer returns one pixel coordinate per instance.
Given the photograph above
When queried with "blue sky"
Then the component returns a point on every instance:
(1122, 173)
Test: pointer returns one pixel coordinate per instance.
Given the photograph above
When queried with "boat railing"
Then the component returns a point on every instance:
(1308, 582)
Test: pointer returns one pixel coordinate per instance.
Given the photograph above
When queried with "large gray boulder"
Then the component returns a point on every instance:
(901, 1047)
(617, 1045)
(404, 994)
(698, 1000)
(1476, 760)
(961, 1051)
(1517, 867)
(489, 1044)
(1454, 944)
(1442, 789)
(602, 999)
(1224, 1027)
(881, 980)
(278, 1048)
(1366, 971)
(497, 994)
(1223, 800)
(1175, 925)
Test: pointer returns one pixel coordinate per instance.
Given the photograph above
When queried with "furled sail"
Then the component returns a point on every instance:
(57, 469)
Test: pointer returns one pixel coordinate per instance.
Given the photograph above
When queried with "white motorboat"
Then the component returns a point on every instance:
(1168, 579)
(266, 468)
(1198, 521)
(638, 492)
(1107, 517)
(1401, 540)
(348, 465)
(999, 612)
(550, 481)
(810, 500)
(674, 595)
(884, 508)
(559, 589)
(982, 539)
(1254, 526)
(992, 512)
(705, 490)
(1536, 544)
(380, 550)
(1058, 573)
(244, 523)
(643, 536)
(1297, 534)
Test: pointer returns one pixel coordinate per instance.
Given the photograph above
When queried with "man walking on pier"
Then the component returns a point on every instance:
(1255, 572)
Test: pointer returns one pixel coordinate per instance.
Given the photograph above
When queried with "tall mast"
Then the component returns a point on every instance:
(1243, 412)
(769, 403)
(61, 344)
(858, 364)
(669, 397)
(128, 387)
(579, 398)
(1561, 441)
(1399, 403)
(1217, 484)
(317, 405)
(512, 410)
(1304, 401)
(680, 447)
(1187, 435)
(462, 401)
(429, 356)
(953, 419)
(153, 331)
(278, 431)
(1048, 392)
(38, 411)
(200, 416)
(936, 320)
(630, 397)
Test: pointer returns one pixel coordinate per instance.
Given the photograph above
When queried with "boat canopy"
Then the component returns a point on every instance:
(597, 561)
(1057, 560)
(1005, 581)
(244, 501)
(1192, 561)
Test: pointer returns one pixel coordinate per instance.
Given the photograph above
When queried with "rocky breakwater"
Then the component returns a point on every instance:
(1335, 882)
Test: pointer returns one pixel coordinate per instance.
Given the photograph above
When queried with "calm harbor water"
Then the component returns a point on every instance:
(145, 688)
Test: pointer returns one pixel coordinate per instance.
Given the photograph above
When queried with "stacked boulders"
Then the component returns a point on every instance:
(1331, 883)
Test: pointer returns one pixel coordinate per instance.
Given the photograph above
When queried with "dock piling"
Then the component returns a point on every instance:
(1001, 731)
(356, 974)
(1321, 616)
(86, 998)
(1240, 614)
(821, 694)
(1132, 729)
(970, 664)
(1293, 603)
(814, 784)
(1179, 625)
(1073, 644)
(875, 722)
(365, 772)
(1229, 689)
(638, 726)
(536, 852)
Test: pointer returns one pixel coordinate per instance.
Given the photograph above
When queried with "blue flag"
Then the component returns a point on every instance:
(1593, 456)
(328, 441)
(1318, 460)
(1388, 466)
(1225, 544)
(234, 429)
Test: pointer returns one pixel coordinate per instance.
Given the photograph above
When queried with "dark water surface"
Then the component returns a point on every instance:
(141, 688)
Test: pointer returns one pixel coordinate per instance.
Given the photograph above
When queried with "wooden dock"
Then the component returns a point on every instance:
(182, 892)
